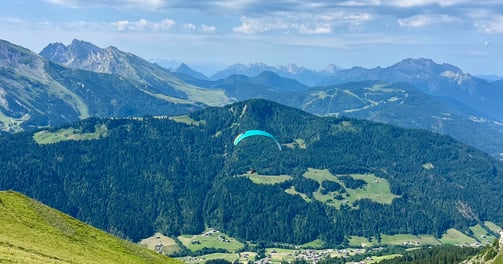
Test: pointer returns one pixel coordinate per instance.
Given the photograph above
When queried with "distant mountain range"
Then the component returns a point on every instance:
(397, 103)
(292, 71)
(79, 80)
(441, 80)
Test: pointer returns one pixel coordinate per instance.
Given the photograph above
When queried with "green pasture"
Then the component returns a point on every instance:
(267, 179)
(481, 234)
(168, 245)
(292, 191)
(376, 189)
(12, 124)
(409, 240)
(278, 255)
(231, 257)
(318, 243)
(48, 137)
(456, 237)
(399, 239)
(186, 120)
(210, 239)
(492, 226)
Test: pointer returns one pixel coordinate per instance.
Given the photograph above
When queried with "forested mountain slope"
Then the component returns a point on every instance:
(333, 178)
(402, 105)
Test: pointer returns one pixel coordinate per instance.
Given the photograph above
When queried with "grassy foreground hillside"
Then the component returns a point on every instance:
(32, 232)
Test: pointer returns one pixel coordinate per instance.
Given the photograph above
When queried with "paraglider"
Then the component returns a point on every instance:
(250, 133)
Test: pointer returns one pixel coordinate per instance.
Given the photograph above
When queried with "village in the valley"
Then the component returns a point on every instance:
(160, 243)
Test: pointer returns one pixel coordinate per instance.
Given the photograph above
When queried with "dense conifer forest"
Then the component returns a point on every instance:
(181, 175)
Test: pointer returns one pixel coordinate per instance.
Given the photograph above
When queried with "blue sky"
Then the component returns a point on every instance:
(212, 34)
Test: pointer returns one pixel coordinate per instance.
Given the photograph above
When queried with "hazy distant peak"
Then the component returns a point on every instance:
(292, 68)
(426, 64)
(82, 48)
(331, 68)
(82, 43)
(292, 71)
(185, 69)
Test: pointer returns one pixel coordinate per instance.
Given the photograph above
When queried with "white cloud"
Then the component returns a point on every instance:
(144, 25)
(303, 22)
(425, 20)
(143, 4)
(205, 29)
(68, 3)
(208, 29)
(494, 25)
(285, 24)
(359, 17)
(415, 21)
(189, 27)
(260, 25)
(416, 3)
(316, 30)
(257, 16)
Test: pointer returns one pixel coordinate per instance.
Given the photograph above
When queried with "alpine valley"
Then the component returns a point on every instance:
(124, 144)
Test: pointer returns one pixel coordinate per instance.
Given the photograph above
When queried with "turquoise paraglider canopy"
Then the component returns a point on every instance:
(254, 132)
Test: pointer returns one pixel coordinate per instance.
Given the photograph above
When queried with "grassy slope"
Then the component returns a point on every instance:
(34, 233)
(377, 189)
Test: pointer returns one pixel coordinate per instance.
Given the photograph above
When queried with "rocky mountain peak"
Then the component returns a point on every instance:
(21, 60)
(84, 55)
(13, 56)
(424, 65)
(185, 69)
(70, 55)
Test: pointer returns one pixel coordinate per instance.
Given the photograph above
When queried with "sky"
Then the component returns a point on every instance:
(210, 35)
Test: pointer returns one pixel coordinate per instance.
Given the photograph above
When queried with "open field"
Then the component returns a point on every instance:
(211, 238)
(160, 243)
(292, 191)
(47, 137)
(400, 239)
(12, 125)
(186, 120)
(376, 189)
(455, 237)
(452, 236)
(266, 179)
(409, 240)
(481, 234)
(243, 257)
(492, 226)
